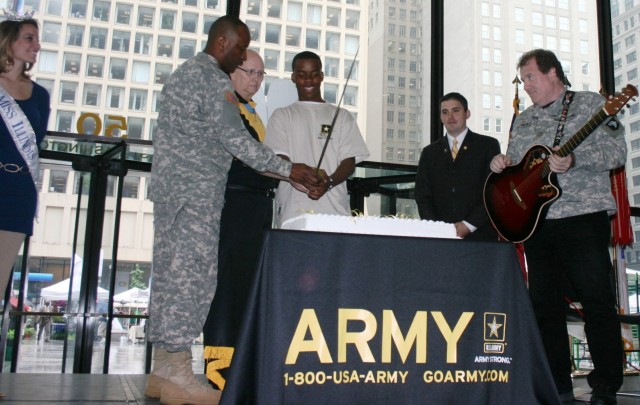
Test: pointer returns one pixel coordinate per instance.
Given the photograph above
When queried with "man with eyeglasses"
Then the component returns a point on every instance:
(299, 133)
(247, 214)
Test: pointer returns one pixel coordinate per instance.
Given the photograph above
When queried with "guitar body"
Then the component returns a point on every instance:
(518, 198)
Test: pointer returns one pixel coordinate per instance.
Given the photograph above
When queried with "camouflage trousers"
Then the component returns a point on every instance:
(185, 269)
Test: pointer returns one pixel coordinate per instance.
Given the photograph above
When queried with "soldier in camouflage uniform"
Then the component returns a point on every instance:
(571, 244)
(199, 132)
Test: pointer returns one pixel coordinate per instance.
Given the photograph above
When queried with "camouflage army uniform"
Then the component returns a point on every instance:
(571, 244)
(199, 131)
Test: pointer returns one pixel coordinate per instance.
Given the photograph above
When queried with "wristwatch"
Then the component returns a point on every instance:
(330, 183)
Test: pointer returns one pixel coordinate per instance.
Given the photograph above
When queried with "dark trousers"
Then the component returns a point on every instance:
(244, 221)
(574, 252)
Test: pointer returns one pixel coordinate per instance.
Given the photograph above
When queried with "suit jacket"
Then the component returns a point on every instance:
(452, 190)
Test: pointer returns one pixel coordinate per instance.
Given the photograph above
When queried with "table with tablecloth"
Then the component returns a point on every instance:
(365, 319)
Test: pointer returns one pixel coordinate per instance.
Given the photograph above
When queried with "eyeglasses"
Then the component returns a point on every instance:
(253, 72)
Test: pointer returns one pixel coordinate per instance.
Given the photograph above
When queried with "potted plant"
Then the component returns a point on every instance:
(8, 352)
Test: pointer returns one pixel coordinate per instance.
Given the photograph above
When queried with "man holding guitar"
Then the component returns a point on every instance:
(568, 247)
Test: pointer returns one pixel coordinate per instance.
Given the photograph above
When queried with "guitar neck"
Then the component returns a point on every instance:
(576, 139)
(582, 134)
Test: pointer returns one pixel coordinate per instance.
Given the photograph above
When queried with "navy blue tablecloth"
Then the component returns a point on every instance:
(364, 319)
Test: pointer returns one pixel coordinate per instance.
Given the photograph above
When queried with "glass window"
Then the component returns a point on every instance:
(272, 34)
(193, 3)
(253, 7)
(351, 44)
(71, 63)
(131, 185)
(120, 41)
(78, 8)
(254, 30)
(187, 48)
(293, 36)
(273, 8)
(95, 66)
(271, 59)
(331, 93)
(332, 42)
(51, 32)
(118, 69)
(313, 39)
(68, 92)
(351, 96)
(123, 13)
(64, 121)
(212, 4)
(208, 22)
(48, 62)
(101, 10)
(167, 19)
(47, 84)
(333, 17)
(137, 100)
(91, 94)
(354, 71)
(140, 72)
(54, 7)
(142, 44)
(75, 33)
(154, 102)
(314, 14)
(98, 38)
(288, 59)
(163, 71)
(294, 12)
(331, 66)
(145, 17)
(165, 46)
(58, 181)
(189, 22)
(115, 97)
(135, 128)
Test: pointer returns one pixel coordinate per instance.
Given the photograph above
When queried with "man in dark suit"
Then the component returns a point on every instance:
(452, 172)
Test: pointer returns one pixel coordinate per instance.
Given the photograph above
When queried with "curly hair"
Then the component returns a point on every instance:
(9, 32)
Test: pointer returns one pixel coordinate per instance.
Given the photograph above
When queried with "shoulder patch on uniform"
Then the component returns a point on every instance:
(232, 98)
(613, 123)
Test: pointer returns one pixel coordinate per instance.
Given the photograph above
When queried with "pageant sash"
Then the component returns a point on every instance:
(22, 133)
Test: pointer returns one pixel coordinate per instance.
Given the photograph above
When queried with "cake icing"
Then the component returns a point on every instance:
(371, 225)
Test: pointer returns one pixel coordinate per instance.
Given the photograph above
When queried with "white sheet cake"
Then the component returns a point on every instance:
(371, 226)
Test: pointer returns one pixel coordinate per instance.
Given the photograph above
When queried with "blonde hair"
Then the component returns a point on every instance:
(9, 33)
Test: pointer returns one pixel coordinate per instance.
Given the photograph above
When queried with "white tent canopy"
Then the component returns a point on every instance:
(60, 291)
(134, 295)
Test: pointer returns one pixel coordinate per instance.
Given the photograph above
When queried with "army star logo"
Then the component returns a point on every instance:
(495, 332)
(324, 131)
(494, 326)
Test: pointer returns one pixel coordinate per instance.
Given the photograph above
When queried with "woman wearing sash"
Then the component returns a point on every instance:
(24, 109)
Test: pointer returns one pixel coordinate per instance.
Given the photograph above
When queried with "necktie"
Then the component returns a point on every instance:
(454, 149)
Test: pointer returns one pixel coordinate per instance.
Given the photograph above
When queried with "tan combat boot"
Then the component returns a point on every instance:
(159, 374)
(182, 387)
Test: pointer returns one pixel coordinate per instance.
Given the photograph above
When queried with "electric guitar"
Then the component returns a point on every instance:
(518, 198)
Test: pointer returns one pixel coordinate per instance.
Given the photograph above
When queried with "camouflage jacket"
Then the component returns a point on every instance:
(585, 187)
(199, 131)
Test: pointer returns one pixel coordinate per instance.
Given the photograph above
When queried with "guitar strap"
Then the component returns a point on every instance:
(568, 98)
